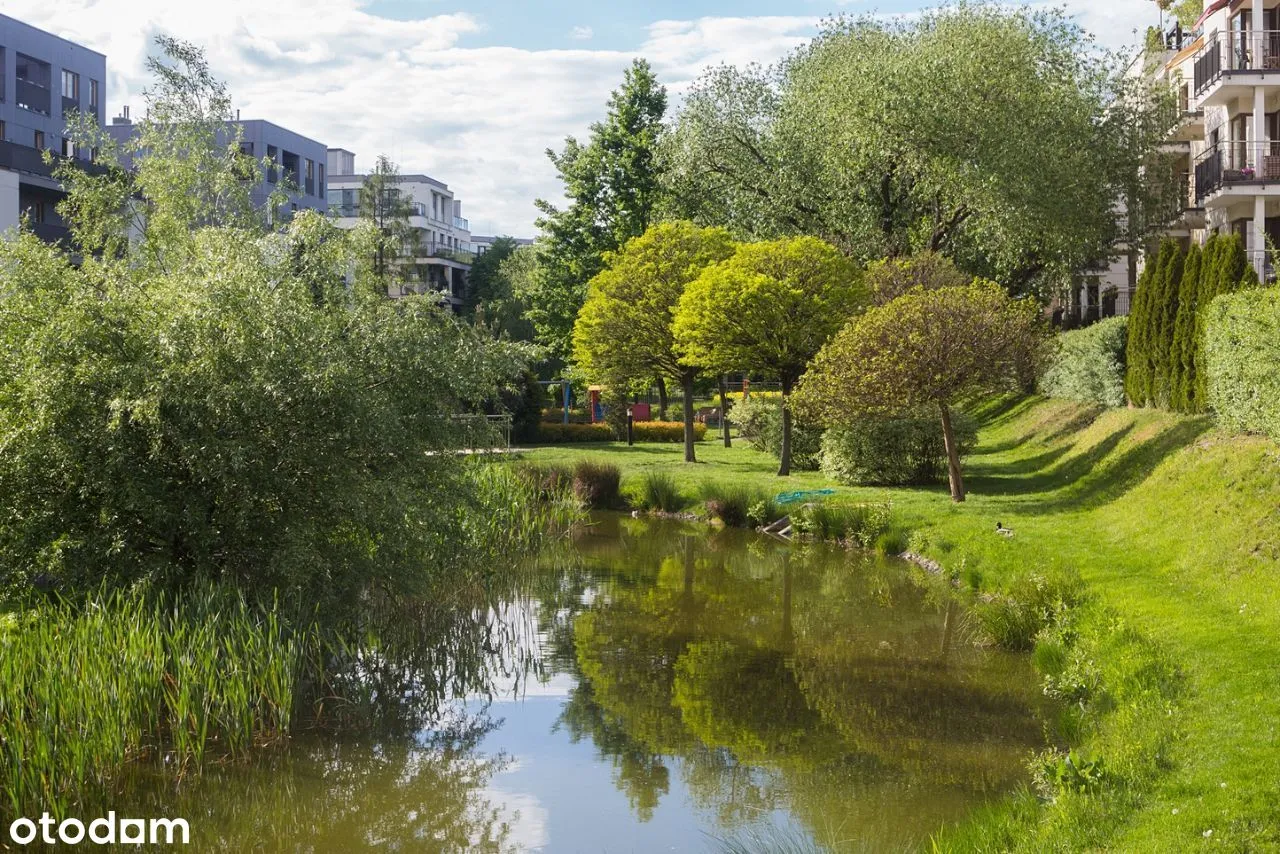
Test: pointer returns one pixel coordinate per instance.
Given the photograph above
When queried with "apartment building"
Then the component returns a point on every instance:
(299, 163)
(43, 78)
(443, 242)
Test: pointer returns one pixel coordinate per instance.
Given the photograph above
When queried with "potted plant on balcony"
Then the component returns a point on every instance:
(1246, 173)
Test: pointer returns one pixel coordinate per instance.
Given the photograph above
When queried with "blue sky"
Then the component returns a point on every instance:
(470, 93)
(550, 24)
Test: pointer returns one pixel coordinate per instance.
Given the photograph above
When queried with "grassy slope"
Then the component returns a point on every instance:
(1176, 529)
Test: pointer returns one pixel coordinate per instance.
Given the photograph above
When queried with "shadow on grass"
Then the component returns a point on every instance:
(1023, 466)
(1081, 488)
(1015, 482)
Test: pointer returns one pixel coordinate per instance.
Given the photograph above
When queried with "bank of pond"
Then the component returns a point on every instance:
(649, 679)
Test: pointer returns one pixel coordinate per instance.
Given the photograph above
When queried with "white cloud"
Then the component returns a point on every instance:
(478, 118)
(581, 34)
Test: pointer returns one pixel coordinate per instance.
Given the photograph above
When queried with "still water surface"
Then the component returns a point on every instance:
(660, 687)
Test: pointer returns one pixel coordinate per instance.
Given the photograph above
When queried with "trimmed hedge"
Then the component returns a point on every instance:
(1088, 364)
(666, 431)
(893, 451)
(1242, 360)
(759, 421)
(560, 433)
(645, 431)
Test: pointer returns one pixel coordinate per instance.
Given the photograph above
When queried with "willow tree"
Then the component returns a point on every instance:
(625, 331)
(1000, 138)
(927, 348)
(769, 309)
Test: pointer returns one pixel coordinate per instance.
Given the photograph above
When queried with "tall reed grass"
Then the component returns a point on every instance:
(659, 491)
(86, 688)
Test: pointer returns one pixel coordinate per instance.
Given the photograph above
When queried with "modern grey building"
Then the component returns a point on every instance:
(300, 162)
(484, 242)
(43, 78)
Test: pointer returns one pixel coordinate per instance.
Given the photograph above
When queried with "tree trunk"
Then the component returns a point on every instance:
(662, 399)
(724, 412)
(686, 386)
(953, 456)
(784, 463)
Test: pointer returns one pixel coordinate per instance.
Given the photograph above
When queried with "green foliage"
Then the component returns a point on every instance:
(492, 287)
(885, 138)
(213, 400)
(624, 332)
(388, 209)
(597, 485)
(769, 309)
(1165, 362)
(759, 421)
(1012, 618)
(611, 183)
(893, 451)
(925, 349)
(1088, 365)
(890, 278)
(83, 690)
(523, 399)
(665, 431)
(738, 505)
(553, 433)
(1054, 773)
(659, 491)
(856, 523)
(1241, 358)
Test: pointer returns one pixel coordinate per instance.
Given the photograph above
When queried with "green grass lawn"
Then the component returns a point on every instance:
(1175, 529)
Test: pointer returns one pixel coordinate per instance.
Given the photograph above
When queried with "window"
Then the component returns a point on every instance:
(70, 84)
(93, 96)
(68, 148)
(39, 139)
(310, 173)
(35, 211)
(320, 189)
(3, 133)
(273, 155)
(32, 84)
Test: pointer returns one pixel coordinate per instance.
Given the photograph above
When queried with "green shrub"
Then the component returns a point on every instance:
(597, 484)
(739, 506)
(548, 480)
(893, 451)
(1242, 360)
(552, 434)
(1015, 617)
(659, 491)
(1088, 364)
(759, 421)
(858, 524)
(666, 431)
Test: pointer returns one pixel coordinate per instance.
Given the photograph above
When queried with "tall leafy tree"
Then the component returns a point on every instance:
(1000, 138)
(769, 309)
(927, 348)
(384, 205)
(491, 292)
(611, 185)
(625, 330)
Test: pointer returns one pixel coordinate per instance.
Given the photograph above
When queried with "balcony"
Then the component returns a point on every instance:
(1230, 64)
(1237, 168)
(1187, 208)
(459, 222)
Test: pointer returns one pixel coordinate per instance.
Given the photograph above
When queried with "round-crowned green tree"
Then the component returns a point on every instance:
(927, 348)
(624, 332)
(769, 308)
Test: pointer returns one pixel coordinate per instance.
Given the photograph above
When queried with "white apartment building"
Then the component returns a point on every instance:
(444, 235)
(1227, 75)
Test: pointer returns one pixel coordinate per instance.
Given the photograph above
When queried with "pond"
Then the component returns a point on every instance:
(657, 686)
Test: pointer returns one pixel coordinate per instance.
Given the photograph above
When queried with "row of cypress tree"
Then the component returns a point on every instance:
(1166, 324)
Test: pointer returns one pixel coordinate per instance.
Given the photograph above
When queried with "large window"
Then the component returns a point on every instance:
(310, 172)
(70, 84)
(68, 148)
(32, 85)
(93, 97)
(38, 141)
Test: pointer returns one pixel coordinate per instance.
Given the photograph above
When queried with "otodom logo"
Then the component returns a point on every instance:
(100, 831)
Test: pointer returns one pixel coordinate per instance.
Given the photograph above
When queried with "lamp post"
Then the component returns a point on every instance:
(631, 437)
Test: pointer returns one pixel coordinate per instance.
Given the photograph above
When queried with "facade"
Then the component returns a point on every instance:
(444, 242)
(43, 79)
(300, 162)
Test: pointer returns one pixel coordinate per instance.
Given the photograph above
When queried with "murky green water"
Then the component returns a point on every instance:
(663, 688)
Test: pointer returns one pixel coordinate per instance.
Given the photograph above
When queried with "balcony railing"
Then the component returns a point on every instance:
(459, 222)
(1229, 163)
(1234, 51)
